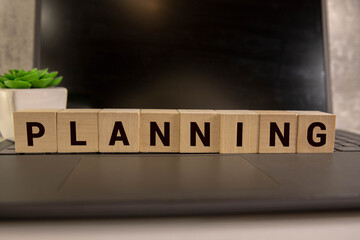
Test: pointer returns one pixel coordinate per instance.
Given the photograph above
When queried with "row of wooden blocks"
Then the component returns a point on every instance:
(184, 131)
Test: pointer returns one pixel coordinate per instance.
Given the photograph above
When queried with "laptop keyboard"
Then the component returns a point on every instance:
(344, 142)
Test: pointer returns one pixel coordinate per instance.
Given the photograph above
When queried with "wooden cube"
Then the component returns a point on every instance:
(119, 130)
(199, 131)
(316, 132)
(239, 131)
(159, 130)
(278, 132)
(35, 131)
(77, 130)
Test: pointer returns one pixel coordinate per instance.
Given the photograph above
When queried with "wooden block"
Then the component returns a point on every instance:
(35, 131)
(199, 131)
(77, 130)
(159, 130)
(119, 130)
(278, 132)
(239, 131)
(316, 132)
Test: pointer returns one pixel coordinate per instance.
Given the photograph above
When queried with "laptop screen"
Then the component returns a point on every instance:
(228, 54)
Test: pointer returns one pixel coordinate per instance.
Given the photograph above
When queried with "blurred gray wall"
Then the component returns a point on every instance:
(17, 19)
(344, 42)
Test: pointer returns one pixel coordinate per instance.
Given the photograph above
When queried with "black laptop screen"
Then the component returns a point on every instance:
(217, 54)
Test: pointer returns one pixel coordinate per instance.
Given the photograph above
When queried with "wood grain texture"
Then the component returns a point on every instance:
(166, 121)
(232, 124)
(30, 119)
(316, 132)
(202, 119)
(281, 119)
(86, 127)
(119, 130)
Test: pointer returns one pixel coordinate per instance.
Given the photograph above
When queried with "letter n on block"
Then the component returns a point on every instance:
(239, 131)
(119, 130)
(35, 131)
(199, 131)
(159, 130)
(77, 130)
(316, 132)
(278, 132)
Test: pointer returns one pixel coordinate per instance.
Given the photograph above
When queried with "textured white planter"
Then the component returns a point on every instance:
(12, 100)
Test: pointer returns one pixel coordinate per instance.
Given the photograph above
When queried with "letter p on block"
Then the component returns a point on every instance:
(35, 131)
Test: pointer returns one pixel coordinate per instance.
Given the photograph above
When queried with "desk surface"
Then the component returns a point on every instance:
(333, 225)
(337, 225)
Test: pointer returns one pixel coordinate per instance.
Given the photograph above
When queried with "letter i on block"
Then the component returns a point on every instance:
(35, 131)
(316, 132)
(159, 130)
(239, 131)
(77, 130)
(199, 131)
(119, 130)
(278, 132)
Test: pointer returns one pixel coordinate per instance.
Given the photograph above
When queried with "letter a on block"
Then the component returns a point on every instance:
(77, 130)
(278, 131)
(35, 131)
(316, 132)
(119, 130)
(199, 131)
(159, 130)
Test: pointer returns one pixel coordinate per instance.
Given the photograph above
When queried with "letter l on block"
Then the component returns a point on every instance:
(77, 130)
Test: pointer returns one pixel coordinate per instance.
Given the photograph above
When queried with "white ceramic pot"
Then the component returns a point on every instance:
(12, 100)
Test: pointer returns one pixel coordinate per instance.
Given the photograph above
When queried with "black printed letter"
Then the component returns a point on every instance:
(74, 142)
(310, 134)
(165, 138)
(194, 129)
(31, 135)
(118, 127)
(239, 134)
(285, 139)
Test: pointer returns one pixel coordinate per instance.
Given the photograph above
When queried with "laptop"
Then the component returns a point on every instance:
(183, 54)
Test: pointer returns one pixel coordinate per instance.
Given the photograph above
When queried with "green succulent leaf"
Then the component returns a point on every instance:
(29, 78)
(20, 73)
(34, 78)
(51, 75)
(13, 72)
(56, 81)
(43, 72)
(34, 70)
(9, 76)
(17, 84)
(41, 83)
(3, 79)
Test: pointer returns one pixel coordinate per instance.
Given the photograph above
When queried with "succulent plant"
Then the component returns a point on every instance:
(29, 79)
